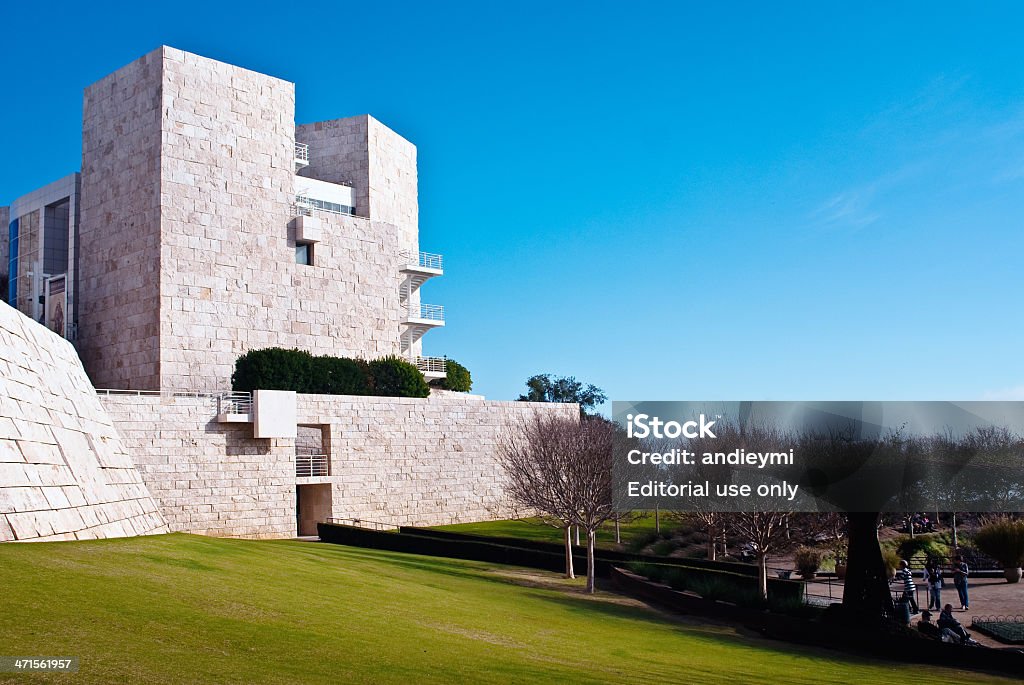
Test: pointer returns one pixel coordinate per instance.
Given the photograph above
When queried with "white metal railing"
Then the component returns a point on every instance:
(228, 402)
(310, 465)
(431, 312)
(308, 206)
(234, 403)
(431, 364)
(363, 523)
(302, 152)
(425, 260)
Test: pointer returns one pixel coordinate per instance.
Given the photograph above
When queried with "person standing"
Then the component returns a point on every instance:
(909, 588)
(933, 581)
(960, 573)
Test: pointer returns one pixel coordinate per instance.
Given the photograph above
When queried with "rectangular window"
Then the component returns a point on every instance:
(304, 253)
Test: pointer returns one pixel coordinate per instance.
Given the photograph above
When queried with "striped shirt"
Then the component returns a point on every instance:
(907, 577)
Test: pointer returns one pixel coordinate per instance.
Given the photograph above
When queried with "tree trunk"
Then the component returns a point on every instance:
(618, 533)
(569, 573)
(866, 590)
(657, 519)
(577, 536)
(762, 575)
(712, 543)
(591, 537)
(956, 543)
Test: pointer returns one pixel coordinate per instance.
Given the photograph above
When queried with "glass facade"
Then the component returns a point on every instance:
(12, 265)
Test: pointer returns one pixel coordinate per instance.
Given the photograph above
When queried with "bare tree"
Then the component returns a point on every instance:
(535, 454)
(590, 475)
(767, 533)
(561, 468)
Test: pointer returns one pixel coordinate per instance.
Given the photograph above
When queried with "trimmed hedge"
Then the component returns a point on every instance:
(614, 556)
(395, 377)
(276, 368)
(528, 553)
(341, 376)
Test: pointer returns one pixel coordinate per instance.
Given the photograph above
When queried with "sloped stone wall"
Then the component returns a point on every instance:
(64, 472)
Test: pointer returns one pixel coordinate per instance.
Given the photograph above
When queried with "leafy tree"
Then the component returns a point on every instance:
(457, 378)
(550, 388)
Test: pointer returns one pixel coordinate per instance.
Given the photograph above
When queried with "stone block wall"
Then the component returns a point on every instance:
(398, 460)
(208, 478)
(119, 235)
(64, 472)
(414, 461)
(227, 165)
(379, 164)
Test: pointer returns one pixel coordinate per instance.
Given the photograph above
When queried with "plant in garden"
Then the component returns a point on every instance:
(395, 377)
(1002, 539)
(808, 561)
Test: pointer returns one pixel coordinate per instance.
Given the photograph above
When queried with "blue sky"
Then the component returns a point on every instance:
(669, 200)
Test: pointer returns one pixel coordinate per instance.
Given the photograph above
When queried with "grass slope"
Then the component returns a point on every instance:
(190, 609)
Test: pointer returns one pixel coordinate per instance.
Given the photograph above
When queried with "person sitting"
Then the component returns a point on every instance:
(948, 624)
(927, 628)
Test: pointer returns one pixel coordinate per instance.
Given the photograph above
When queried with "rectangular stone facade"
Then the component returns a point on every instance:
(119, 235)
(188, 228)
(397, 460)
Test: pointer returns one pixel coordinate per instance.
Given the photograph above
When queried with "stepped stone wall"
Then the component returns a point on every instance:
(64, 472)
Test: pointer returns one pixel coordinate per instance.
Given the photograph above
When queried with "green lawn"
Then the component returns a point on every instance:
(534, 529)
(190, 609)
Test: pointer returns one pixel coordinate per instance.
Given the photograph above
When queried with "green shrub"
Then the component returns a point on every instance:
(892, 561)
(808, 560)
(340, 376)
(793, 606)
(457, 378)
(710, 587)
(925, 546)
(395, 377)
(274, 368)
(640, 542)
(1003, 540)
(641, 568)
(677, 579)
(662, 548)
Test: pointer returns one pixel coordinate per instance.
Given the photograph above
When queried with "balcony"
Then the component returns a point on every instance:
(425, 315)
(301, 155)
(432, 368)
(234, 407)
(418, 268)
(311, 465)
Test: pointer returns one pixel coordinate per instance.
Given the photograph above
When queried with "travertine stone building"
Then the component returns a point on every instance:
(204, 224)
(211, 225)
